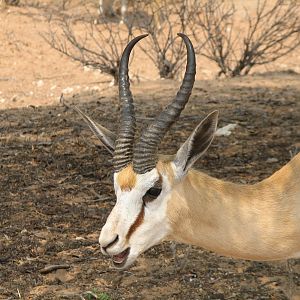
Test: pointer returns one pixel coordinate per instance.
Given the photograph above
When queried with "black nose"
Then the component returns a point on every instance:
(111, 243)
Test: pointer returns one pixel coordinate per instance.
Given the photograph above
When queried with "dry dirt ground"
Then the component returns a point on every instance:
(56, 183)
(56, 192)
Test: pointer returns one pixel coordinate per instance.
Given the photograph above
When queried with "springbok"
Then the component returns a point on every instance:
(106, 8)
(163, 198)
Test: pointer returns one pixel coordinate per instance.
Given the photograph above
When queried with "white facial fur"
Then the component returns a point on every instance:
(153, 228)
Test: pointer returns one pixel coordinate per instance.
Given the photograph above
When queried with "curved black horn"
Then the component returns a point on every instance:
(145, 154)
(124, 144)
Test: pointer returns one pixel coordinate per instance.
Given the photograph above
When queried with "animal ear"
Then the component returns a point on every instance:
(106, 137)
(197, 143)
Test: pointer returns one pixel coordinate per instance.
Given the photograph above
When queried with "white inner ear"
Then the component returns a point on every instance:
(181, 156)
(197, 143)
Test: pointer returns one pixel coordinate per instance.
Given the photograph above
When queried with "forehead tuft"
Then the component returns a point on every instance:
(165, 167)
(126, 178)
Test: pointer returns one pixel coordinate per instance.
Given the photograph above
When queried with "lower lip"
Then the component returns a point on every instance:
(124, 260)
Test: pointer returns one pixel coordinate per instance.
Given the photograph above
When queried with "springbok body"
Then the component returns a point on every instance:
(163, 198)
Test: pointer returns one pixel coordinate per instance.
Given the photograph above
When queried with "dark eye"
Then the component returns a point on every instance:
(154, 192)
(151, 194)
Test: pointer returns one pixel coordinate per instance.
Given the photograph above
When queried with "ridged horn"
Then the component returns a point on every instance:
(145, 154)
(123, 153)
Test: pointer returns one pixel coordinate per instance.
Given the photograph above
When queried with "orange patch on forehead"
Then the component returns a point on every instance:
(126, 179)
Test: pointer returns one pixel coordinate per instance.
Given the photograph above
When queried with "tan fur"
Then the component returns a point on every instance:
(256, 222)
(127, 178)
(164, 167)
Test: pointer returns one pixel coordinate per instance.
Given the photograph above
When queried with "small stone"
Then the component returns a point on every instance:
(40, 83)
(271, 160)
(86, 69)
(226, 130)
(13, 98)
(95, 88)
(112, 83)
(67, 90)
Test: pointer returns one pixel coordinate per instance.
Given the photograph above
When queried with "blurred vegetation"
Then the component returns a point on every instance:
(235, 44)
(95, 294)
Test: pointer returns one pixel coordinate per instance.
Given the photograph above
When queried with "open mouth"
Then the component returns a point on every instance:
(120, 259)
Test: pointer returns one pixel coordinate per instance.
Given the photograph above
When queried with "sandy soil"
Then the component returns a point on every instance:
(32, 73)
(56, 185)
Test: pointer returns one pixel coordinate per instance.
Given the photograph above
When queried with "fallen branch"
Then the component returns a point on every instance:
(52, 268)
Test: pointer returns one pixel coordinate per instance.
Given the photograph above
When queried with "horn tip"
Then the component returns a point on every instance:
(182, 35)
(142, 36)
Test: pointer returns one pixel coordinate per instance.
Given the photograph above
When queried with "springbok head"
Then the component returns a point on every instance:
(143, 180)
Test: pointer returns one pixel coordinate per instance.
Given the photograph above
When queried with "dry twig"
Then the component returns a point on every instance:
(99, 47)
(273, 32)
(52, 268)
(166, 19)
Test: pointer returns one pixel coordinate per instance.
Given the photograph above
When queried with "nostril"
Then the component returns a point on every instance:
(111, 243)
